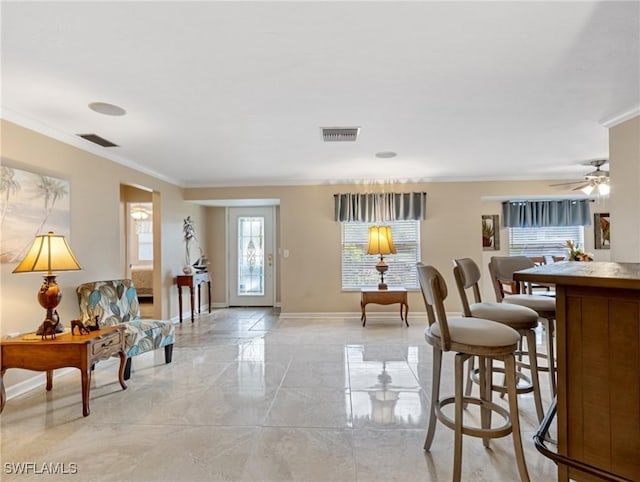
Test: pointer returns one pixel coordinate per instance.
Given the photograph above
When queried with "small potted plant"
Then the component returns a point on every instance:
(487, 234)
(576, 253)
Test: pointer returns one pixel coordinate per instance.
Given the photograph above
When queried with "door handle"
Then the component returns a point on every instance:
(270, 259)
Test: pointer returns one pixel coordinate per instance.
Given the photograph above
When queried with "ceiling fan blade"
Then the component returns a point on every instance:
(583, 185)
(566, 183)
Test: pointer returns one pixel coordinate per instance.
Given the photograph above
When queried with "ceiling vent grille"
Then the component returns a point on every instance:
(96, 139)
(340, 134)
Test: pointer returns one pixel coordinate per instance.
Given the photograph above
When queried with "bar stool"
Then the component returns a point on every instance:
(469, 337)
(522, 319)
(501, 269)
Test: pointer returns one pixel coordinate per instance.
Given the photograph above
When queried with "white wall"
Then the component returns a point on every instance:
(624, 140)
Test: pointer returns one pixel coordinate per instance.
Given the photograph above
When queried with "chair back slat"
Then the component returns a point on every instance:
(469, 271)
(501, 269)
(505, 266)
(467, 274)
(459, 276)
(434, 292)
(498, 289)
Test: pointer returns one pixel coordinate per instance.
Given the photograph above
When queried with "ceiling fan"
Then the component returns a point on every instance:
(597, 180)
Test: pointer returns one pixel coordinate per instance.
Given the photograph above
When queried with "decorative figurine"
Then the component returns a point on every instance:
(81, 328)
(189, 231)
(95, 327)
(49, 326)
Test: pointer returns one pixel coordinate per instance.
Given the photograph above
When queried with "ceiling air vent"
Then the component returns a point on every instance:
(96, 139)
(340, 134)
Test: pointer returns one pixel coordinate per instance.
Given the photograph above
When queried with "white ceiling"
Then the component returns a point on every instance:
(235, 93)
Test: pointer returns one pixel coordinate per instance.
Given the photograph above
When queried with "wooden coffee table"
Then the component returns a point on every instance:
(67, 350)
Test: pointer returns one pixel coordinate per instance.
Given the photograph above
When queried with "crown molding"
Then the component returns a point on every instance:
(41, 128)
(621, 117)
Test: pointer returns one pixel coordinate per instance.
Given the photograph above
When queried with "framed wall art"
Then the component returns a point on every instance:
(602, 230)
(30, 204)
(490, 232)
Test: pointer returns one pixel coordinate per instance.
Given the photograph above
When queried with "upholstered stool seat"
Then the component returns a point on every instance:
(515, 316)
(537, 303)
(476, 331)
(469, 337)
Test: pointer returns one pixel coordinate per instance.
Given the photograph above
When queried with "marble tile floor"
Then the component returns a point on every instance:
(252, 397)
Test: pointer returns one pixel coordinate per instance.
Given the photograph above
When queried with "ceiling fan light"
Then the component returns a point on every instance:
(587, 189)
(604, 189)
(139, 213)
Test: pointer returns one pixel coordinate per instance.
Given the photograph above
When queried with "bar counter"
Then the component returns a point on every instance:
(598, 347)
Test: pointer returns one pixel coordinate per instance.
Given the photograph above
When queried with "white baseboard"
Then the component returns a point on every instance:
(222, 304)
(37, 381)
(338, 315)
(309, 315)
(419, 315)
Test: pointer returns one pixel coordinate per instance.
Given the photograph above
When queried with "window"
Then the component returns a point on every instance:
(141, 233)
(145, 247)
(358, 267)
(537, 242)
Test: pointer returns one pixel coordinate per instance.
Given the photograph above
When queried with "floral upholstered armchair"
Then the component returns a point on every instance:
(114, 302)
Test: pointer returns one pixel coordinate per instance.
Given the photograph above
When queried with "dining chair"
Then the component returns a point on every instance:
(501, 270)
(469, 337)
(522, 319)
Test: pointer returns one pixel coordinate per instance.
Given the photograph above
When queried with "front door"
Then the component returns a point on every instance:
(252, 259)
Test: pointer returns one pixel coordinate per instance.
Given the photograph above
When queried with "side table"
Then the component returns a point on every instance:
(384, 297)
(66, 350)
(192, 281)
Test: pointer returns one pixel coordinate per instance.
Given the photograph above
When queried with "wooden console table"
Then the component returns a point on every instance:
(66, 350)
(193, 281)
(384, 297)
(598, 339)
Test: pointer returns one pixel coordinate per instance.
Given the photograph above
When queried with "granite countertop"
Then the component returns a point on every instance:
(581, 273)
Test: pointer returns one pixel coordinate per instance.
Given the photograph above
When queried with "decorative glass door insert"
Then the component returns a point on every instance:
(251, 273)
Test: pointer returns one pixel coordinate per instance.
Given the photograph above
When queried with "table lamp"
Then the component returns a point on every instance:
(383, 399)
(381, 242)
(49, 252)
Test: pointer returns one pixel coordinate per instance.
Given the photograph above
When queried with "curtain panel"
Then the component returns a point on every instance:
(380, 207)
(535, 214)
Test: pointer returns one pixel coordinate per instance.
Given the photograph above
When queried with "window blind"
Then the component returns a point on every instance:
(537, 242)
(359, 268)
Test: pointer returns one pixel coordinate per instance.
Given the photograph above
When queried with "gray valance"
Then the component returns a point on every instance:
(380, 207)
(534, 214)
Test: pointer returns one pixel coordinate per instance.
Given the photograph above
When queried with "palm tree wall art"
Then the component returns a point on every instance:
(31, 204)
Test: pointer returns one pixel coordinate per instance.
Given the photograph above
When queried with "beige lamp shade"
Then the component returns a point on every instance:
(380, 240)
(49, 252)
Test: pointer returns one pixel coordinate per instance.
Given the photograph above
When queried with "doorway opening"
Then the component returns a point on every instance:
(140, 246)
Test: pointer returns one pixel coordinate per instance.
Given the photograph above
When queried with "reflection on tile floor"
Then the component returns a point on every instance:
(253, 397)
